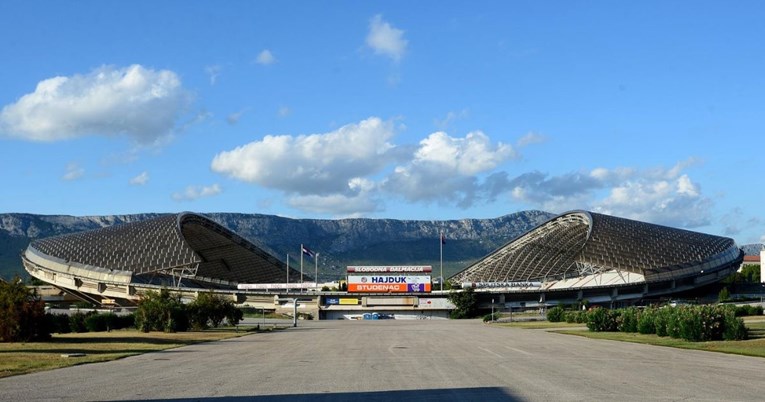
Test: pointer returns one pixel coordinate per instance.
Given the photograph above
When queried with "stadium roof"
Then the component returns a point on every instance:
(183, 245)
(580, 243)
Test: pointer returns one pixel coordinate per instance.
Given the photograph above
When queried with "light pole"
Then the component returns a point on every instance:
(492, 309)
(294, 312)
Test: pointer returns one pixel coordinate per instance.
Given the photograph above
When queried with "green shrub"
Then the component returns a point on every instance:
(646, 321)
(661, 320)
(555, 314)
(77, 322)
(491, 317)
(734, 328)
(748, 310)
(600, 319)
(58, 323)
(210, 310)
(101, 322)
(628, 320)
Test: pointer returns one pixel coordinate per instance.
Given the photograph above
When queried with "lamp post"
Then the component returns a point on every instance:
(492, 309)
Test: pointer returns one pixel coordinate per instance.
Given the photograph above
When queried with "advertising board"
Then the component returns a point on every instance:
(389, 268)
(389, 283)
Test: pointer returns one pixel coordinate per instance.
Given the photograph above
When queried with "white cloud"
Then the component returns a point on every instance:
(531, 138)
(194, 192)
(284, 111)
(386, 40)
(451, 117)
(659, 195)
(315, 164)
(445, 168)
(140, 103)
(265, 57)
(213, 72)
(73, 172)
(233, 118)
(359, 200)
(140, 180)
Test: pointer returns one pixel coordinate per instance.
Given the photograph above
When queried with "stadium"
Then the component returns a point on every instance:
(573, 257)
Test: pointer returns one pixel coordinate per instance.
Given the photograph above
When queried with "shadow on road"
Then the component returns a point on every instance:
(440, 395)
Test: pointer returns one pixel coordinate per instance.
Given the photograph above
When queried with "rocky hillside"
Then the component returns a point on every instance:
(339, 242)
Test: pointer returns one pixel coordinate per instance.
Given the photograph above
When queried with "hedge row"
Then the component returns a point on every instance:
(691, 323)
(88, 322)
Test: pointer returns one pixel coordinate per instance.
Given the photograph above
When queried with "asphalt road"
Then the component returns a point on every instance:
(428, 360)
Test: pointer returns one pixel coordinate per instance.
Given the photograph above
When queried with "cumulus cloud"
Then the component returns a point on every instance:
(359, 200)
(140, 180)
(265, 57)
(195, 192)
(315, 164)
(445, 168)
(664, 196)
(73, 172)
(134, 101)
(386, 40)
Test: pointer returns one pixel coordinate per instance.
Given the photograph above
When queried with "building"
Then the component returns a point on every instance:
(574, 257)
(603, 259)
(186, 251)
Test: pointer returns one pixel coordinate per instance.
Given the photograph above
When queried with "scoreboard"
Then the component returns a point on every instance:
(389, 279)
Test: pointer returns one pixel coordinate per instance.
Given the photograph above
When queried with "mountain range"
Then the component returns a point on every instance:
(338, 242)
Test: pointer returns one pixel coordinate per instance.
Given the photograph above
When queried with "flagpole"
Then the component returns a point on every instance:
(441, 243)
(316, 269)
(288, 271)
(301, 265)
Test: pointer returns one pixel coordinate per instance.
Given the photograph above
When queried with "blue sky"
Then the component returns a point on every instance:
(405, 110)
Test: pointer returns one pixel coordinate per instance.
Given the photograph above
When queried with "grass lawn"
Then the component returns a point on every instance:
(23, 358)
(750, 347)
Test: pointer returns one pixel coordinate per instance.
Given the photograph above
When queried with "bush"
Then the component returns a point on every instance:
(646, 323)
(58, 323)
(627, 320)
(161, 312)
(724, 295)
(210, 310)
(661, 320)
(600, 319)
(77, 322)
(747, 310)
(22, 313)
(491, 317)
(101, 322)
(555, 314)
(734, 328)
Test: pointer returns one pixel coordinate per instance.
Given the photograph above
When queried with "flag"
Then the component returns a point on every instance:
(306, 251)
(443, 238)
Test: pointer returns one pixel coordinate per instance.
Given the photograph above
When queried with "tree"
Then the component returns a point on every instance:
(210, 310)
(161, 312)
(465, 302)
(724, 295)
(22, 313)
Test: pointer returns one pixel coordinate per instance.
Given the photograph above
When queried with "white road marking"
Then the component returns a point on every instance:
(490, 352)
(519, 351)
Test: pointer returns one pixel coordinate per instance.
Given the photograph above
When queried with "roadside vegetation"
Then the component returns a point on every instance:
(714, 328)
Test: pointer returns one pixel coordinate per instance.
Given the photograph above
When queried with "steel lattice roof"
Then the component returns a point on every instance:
(580, 242)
